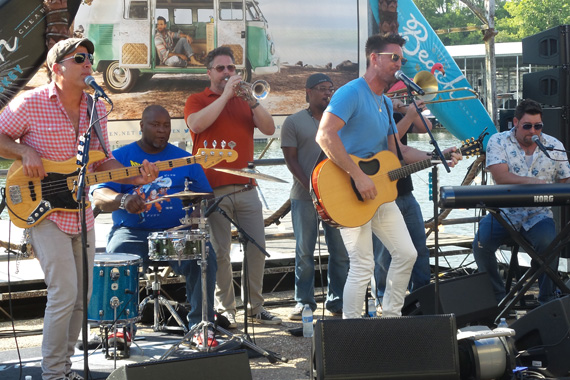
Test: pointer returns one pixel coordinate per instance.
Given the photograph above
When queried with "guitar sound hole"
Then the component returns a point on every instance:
(369, 167)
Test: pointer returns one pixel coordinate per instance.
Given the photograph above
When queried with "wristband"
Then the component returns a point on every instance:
(123, 199)
(255, 105)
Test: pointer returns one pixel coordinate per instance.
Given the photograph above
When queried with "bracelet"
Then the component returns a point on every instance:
(123, 199)
(255, 105)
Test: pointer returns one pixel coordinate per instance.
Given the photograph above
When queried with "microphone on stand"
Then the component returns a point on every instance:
(213, 207)
(536, 140)
(408, 82)
(90, 81)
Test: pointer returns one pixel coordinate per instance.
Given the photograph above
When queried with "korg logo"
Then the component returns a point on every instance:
(543, 198)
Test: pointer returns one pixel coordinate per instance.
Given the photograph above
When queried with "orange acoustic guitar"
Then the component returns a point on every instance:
(335, 196)
(30, 200)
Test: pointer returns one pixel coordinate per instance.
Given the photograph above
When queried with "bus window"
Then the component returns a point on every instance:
(183, 16)
(205, 15)
(163, 13)
(231, 11)
(135, 10)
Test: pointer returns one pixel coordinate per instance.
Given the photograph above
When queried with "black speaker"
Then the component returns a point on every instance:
(548, 48)
(506, 119)
(471, 298)
(423, 347)
(548, 87)
(205, 366)
(544, 337)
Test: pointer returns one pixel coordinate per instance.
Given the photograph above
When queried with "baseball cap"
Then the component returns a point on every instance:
(315, 79)
(64, 47)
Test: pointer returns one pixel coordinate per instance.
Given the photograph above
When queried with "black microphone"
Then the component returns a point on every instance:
(408, 82)
(90, 81)
(536, 140)
(213, 207)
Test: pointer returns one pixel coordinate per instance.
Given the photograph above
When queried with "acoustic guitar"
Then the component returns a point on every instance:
(338, 202)
(30, 200)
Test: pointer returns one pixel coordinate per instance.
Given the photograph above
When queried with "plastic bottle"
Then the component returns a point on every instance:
(307, 315)
(503, 323)
(371, 308)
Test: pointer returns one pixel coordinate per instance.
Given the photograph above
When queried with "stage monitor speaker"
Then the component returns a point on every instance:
(471, 298)
(548, 48)
(423, 347)
(548, 87)
(205, 366)
(506, 119)
(544, 337)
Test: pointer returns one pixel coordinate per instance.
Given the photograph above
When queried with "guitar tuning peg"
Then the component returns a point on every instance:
(214, 144)
(232, 145)
(223, 144)
(205, 143)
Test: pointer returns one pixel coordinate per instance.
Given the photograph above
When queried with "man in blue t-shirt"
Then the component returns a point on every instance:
(138, 212)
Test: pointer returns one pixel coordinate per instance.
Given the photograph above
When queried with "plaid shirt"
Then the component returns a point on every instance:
(164, 44)
(39, 120)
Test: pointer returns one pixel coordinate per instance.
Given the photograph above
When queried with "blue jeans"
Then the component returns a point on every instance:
(412, 213)
(182, 47)
(492, 234)
(305, 227)
(129, 240)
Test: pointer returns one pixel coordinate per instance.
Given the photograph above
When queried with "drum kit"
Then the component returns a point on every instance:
(115, 300)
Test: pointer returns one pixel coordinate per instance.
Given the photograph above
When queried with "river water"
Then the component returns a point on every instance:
(274, 194)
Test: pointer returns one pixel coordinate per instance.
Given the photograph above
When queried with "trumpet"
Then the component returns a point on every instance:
(427, 81)
(258, 89)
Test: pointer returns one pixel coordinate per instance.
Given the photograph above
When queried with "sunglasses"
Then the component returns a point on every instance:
(537, 126)
(221, 68)
(79, 58)
(324, 89)
(395, 57)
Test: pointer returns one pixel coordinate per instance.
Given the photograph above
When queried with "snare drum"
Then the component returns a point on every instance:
(115, 288)
(176, 245)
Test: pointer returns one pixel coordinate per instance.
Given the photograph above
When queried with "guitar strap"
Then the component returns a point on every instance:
(96, 125)
(395, 129)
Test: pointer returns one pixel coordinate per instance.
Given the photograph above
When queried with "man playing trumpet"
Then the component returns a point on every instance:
(218, 114)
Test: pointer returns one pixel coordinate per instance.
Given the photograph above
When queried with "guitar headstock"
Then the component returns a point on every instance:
(211, 157)
(472, 147)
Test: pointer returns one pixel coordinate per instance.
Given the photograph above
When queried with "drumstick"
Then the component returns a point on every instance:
(155, 200)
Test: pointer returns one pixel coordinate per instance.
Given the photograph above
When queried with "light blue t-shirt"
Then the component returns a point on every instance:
(367, 129)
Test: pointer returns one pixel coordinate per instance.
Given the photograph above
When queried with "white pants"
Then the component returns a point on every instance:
(388, 224)
(60, 258)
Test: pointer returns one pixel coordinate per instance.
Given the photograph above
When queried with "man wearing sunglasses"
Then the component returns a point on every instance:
(169, 53)
(358, 121)
(218, 115)
(48, 121)
(514, 158)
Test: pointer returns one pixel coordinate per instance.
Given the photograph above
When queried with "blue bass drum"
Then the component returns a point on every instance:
(115, 289)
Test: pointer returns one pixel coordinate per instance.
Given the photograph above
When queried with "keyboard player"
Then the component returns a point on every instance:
(514, 158)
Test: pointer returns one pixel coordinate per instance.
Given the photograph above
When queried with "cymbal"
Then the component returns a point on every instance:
(250, 174)
(186, 195)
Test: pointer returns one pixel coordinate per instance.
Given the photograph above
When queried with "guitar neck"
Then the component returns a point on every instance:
(406, 170)
(133, 171)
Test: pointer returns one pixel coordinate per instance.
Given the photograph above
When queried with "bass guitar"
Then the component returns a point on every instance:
(30, 200)
(338, 202)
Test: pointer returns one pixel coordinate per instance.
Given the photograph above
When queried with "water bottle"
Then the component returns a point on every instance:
(307, 315)
(503, 323)
(371, 308)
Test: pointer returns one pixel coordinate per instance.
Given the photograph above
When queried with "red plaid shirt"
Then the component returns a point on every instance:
(39, 120)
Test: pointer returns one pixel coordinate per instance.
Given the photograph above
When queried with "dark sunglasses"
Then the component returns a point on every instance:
(537, 126)
(395, 57)
(221, 68)
(79, 58)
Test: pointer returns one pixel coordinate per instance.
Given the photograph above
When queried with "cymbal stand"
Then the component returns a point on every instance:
(205, 324)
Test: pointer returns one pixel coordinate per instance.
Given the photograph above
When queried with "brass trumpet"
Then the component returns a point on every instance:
(428, 83)
(258, 89)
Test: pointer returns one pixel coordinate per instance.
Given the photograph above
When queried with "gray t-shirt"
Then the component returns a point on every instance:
(299, 131)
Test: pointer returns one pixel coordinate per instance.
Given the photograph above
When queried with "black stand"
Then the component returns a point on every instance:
(435, 196)
(539, 265)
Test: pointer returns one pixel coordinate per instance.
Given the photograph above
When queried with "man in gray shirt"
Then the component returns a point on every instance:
(301, 153)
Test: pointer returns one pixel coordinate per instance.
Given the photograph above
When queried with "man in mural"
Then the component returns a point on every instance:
(134, 221)
(359, 121)
(408, 120)
(218, 115)
(170, 54)
(514, 158)
(45, 124)
(301, 153)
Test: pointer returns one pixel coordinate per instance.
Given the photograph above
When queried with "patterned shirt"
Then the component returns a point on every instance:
(503, 148)
(39, 120)
(164, 44)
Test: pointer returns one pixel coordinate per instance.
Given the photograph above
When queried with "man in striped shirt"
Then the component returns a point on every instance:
(48, 122)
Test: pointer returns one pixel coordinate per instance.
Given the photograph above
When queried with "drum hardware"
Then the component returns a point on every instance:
(250, 173)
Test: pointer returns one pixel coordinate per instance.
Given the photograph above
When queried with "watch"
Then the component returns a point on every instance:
(123, 199)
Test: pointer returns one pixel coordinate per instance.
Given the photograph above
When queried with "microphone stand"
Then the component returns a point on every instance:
(432, 139)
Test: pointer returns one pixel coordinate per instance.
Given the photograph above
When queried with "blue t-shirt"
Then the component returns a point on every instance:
(164, 214)
(367, 129)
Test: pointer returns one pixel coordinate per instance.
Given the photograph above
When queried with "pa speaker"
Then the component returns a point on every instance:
(544, 337)
(506, 119)
(206, 366)
(423, 347)
(471, 298)
(548, 48)
(548, 87)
